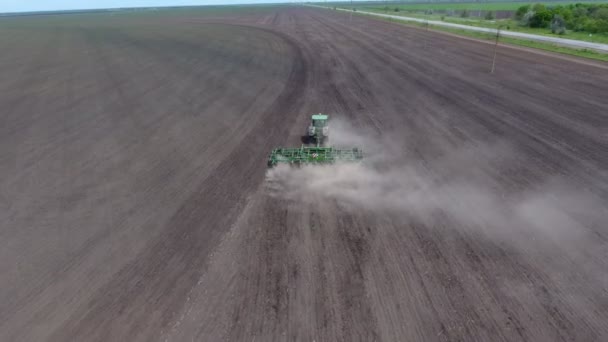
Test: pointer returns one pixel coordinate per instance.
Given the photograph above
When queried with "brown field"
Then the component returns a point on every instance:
(136, 204)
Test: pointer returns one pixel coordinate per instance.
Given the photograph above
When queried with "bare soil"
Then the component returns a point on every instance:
(135, 204)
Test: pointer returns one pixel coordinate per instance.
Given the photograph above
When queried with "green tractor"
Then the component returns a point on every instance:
(318, 131)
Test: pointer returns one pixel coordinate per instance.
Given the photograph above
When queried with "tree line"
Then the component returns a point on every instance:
(592, 18)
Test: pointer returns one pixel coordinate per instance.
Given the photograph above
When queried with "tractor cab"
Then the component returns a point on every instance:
(319, 120)
(319, 128)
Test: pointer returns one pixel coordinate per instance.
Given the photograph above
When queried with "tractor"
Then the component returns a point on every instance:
(318, 131)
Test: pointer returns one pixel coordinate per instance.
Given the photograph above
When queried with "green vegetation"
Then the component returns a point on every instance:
(449, 5)
(582, 21)
(585, 53)
(591, 18)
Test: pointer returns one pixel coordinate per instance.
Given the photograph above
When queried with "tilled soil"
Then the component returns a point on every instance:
(136, 203)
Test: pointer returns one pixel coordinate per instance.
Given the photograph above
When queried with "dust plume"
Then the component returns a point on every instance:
(463, 183)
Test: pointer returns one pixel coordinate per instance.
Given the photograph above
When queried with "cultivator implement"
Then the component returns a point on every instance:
(318, 132)
(313, 155)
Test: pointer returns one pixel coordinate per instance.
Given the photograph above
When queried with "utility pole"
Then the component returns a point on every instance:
(495, 49)
(426, 28)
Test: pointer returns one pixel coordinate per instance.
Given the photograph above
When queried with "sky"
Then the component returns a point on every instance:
(56, 5)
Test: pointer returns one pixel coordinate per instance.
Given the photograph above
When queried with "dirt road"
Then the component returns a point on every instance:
(136, 204)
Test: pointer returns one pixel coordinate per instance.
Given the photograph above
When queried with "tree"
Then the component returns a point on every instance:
(525, 20)
(564, 12)
(578, 24)
(521, 11)
(541, 19)
(579, 12)
(602, 25)
(464, 13)
(539, 7)
(558, 25)
(489, 15)
(600, 13)
(591, 26)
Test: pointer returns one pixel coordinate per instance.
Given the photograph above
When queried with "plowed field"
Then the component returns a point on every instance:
(136, 204)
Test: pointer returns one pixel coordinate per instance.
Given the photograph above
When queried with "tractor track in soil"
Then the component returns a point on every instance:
(135, 204)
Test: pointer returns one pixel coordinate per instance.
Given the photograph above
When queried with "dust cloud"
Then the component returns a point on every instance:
(462, 183)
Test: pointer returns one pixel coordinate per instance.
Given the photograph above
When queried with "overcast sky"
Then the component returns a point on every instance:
(48, 5)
